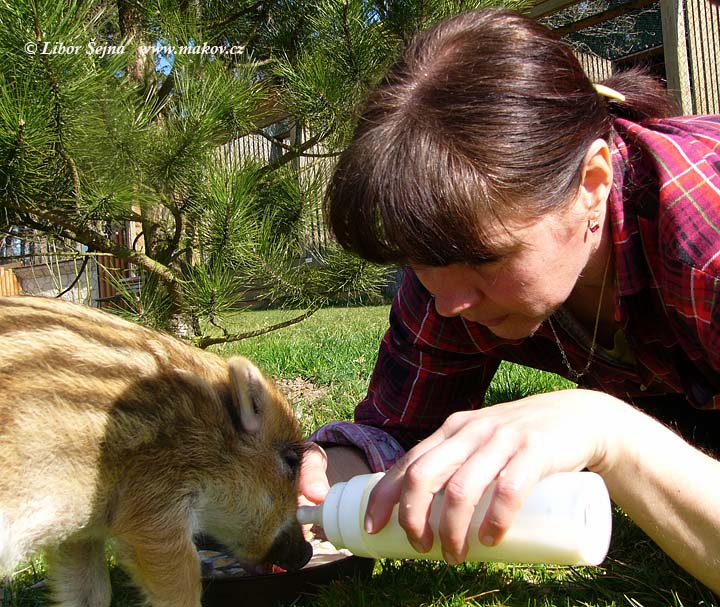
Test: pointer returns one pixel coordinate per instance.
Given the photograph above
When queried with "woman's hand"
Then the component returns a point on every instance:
(670, 489)
(324, 467)
(517, 444)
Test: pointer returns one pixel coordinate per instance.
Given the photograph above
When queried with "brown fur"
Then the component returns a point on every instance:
(108, 429)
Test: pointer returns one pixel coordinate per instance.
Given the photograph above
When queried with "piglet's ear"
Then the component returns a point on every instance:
(249, 393)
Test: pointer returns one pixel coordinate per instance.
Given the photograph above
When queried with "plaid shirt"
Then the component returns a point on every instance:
(665, 212)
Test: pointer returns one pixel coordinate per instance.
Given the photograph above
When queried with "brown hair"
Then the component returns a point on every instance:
(485, 118)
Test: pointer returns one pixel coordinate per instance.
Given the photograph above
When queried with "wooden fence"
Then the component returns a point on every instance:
(113, 272)
(597, 68)
(48, 272)
(313, 169)
(703, 26)
(9, 284)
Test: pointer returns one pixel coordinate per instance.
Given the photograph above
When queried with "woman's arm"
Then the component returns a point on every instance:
(669, 488)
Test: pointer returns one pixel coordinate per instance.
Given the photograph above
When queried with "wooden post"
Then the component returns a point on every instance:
(703, 21)
(676, 54)
(548, 7)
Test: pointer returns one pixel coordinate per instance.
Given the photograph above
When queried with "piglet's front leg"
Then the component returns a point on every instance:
(167, 570)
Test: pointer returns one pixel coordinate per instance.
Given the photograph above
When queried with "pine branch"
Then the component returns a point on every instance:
(259, 8)
(347, 39)
(57, 112)
(45, 228)
(129, 17)
(170, 250)
(205, 341)
(294, 149)
(129, 216)
(291, 155)
(17, 143)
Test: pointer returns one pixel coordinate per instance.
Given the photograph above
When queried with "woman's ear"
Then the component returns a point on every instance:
(597, 176)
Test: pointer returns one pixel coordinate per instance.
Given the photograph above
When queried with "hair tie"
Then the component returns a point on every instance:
(606, 91)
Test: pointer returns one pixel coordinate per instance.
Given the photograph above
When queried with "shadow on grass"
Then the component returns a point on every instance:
(27, 588)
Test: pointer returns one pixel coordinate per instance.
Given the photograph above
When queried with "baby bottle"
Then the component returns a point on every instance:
(566, 520)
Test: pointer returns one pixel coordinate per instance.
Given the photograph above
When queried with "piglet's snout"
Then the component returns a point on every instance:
(290, 550)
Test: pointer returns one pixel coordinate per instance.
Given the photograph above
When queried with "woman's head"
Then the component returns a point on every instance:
(483, 123)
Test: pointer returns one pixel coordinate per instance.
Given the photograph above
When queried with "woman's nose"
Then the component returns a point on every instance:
(453, 303)
(451, 290)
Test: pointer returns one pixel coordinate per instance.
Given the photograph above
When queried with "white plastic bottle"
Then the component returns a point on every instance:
(566, 520)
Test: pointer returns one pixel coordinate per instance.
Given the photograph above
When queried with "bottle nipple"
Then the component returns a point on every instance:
(310, 515)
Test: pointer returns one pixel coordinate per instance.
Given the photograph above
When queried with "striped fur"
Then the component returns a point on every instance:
(108, 429)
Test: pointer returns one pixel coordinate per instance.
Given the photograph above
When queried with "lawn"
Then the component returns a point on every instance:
(325, 363)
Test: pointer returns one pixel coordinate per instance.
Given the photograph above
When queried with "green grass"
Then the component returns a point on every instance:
(336, 349)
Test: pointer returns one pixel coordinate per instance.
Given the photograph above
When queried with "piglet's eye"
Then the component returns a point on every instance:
(291, 459)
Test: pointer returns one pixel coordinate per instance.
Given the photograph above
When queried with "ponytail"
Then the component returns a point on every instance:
(645, 96)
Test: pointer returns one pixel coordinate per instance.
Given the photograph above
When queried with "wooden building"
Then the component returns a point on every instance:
(678, 39)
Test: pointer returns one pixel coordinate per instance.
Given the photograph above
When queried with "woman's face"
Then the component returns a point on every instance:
(538, 268)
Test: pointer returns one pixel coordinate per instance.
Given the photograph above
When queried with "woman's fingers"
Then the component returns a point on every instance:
(444, 467)
(428, 468)
(514, 444)
(314, 484)
(388, 490)
(463, 492)
(512, 487)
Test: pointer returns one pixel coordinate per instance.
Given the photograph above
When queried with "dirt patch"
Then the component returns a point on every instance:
(299, 390)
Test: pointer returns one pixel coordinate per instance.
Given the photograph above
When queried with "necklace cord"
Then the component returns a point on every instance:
(574, 375)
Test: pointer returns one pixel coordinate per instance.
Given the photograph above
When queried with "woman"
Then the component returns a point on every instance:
(546, 222)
